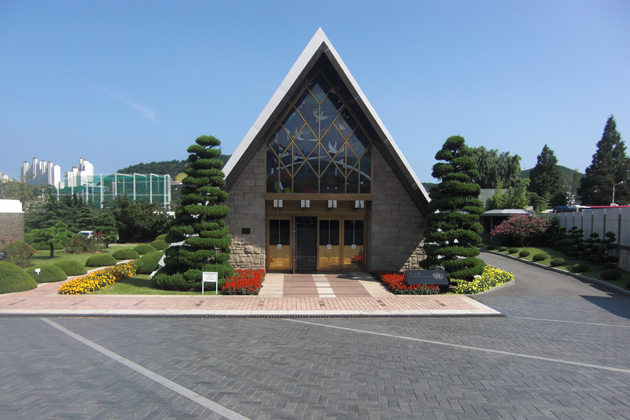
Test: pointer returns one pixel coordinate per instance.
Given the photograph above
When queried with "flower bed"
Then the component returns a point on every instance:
(244, 282)
(98, 280)
(395, 282)
(491, 277)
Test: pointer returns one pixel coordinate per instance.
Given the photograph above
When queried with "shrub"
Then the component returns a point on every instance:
(144, 249)
(540, 256)
(243, 282)
(148, 263)
(99, 279)
(610, 265)
(519, 228)
(159, 245)
(45, 247)
(524, 254)
(80, 244)
(100, 261)
(612, 274)
(48, 274)
(19, 253)
(503, 249)
(125, 254)
(612, 258)
(71, 268)
(580, 268)
(491, 247)
(14, 279)
(172, 282)
(395, 282)
(161, 237)
(512, 250)
(491, 277)
(557, 262)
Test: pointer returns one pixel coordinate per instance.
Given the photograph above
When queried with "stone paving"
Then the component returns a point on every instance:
(289, 295)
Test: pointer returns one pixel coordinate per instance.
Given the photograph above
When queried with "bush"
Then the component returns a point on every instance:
(512, 250)
(80, 244)
(610, 265)
(159, 245)
(19, 253)
(46, 247)
(540, 257)
(503, 249)
(612, 274)
(144, 249)
(523, 254)
(100, 261)
(172, 282)
(557, 262)
(47, 274)
(148, 263)
(580, 268)
(491, 277)
(126, 254)
(612, 258)
(519, 229)
(71, 268)
(491, 247)
(161, 237)
(14, 279)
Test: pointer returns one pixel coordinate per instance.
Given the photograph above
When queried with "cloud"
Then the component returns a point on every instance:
(145, 111)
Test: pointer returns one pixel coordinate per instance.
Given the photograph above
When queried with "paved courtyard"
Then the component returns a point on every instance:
(560, 352)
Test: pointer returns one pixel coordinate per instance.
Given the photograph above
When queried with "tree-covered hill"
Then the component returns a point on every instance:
(564, 172)
(170, 167)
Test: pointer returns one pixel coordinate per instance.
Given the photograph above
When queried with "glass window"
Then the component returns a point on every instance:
(329, 232)
(279, 232)
(353, 232)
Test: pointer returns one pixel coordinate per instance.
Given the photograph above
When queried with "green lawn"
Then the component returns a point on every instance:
(595, 269)
(42, 258)
(141, 285)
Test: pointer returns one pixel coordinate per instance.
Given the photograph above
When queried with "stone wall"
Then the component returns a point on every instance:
(247, 211)
(12, 226)
(395, 225)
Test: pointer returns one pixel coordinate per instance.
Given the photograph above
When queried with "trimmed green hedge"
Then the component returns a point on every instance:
(612, 274)
(148, 263)
(540, 257)
(144, 249)
(557, 262)
(159, 245)
(71, 268)
(523, 254)
(162, 237)
(126, 254)
(14, 279)
(100, 261)
(580, 268)
(512, 250)
(47, 274)
(503, 249)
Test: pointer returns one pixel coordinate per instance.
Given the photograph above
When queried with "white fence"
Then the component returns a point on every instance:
(616, 220)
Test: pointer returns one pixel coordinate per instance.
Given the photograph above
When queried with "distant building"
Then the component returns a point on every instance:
(4, 177)
(81, 175)
(41, 173)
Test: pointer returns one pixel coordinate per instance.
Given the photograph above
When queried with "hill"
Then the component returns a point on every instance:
(170, 167)
(563, 170)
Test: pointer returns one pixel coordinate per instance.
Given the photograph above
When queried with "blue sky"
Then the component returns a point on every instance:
(124, 82)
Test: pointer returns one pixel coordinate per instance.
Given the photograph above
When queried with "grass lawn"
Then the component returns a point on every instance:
(595, 269)
(141, 285)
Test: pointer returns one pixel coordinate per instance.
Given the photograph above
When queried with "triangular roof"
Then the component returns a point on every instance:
(320, 51)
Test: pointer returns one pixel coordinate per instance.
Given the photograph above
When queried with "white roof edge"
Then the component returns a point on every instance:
(10, 206)
(319, 38)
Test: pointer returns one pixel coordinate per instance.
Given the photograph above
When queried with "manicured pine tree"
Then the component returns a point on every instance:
(199, 237)
(610, 166)
(453, 225)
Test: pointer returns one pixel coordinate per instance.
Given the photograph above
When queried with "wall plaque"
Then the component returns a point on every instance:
(426, 277)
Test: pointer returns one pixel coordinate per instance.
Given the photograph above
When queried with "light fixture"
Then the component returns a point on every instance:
(359, 204)
(305, 204)
(277, 204)
(332, 204)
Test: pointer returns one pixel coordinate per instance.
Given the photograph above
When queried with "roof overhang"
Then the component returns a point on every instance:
(319, 53)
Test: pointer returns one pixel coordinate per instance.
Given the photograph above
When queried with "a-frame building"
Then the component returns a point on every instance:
(318, 183)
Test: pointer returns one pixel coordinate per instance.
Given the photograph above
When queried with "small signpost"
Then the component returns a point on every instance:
(209, 277)
(426, 277)
(3, 255)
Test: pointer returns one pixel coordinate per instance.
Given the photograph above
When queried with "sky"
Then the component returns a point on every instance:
(125, 82)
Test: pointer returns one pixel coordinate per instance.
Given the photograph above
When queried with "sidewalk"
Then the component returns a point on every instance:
(330, 295)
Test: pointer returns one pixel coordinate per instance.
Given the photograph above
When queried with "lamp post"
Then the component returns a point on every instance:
(618, 183)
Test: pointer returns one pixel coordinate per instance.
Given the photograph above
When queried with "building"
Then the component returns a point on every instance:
(11, 220)
(41, 173)
(79, 175)
(318, 183)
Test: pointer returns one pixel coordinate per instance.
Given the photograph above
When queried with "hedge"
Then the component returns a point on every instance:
(71, 268)
(47, 274)
(14, 279)
(125, 254)
(148, 263)
(159, 245)
(144, 249)
(100, 261)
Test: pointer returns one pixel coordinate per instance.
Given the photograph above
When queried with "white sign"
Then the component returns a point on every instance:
(329, 246)
(279, 246)
(210, 277)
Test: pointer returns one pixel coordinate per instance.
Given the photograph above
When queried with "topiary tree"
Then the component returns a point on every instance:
(53, 236)
(106, 228)
(199, 237)
(453, 228)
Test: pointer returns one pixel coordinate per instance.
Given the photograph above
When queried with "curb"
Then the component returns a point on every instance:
(567, 273)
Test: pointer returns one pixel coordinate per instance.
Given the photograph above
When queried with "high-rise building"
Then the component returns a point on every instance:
(41, 173)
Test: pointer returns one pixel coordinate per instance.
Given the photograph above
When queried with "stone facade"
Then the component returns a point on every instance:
(12, 226)
(396, 225)
(247, 211)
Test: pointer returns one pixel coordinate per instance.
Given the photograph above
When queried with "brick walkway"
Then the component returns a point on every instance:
(348, 294)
